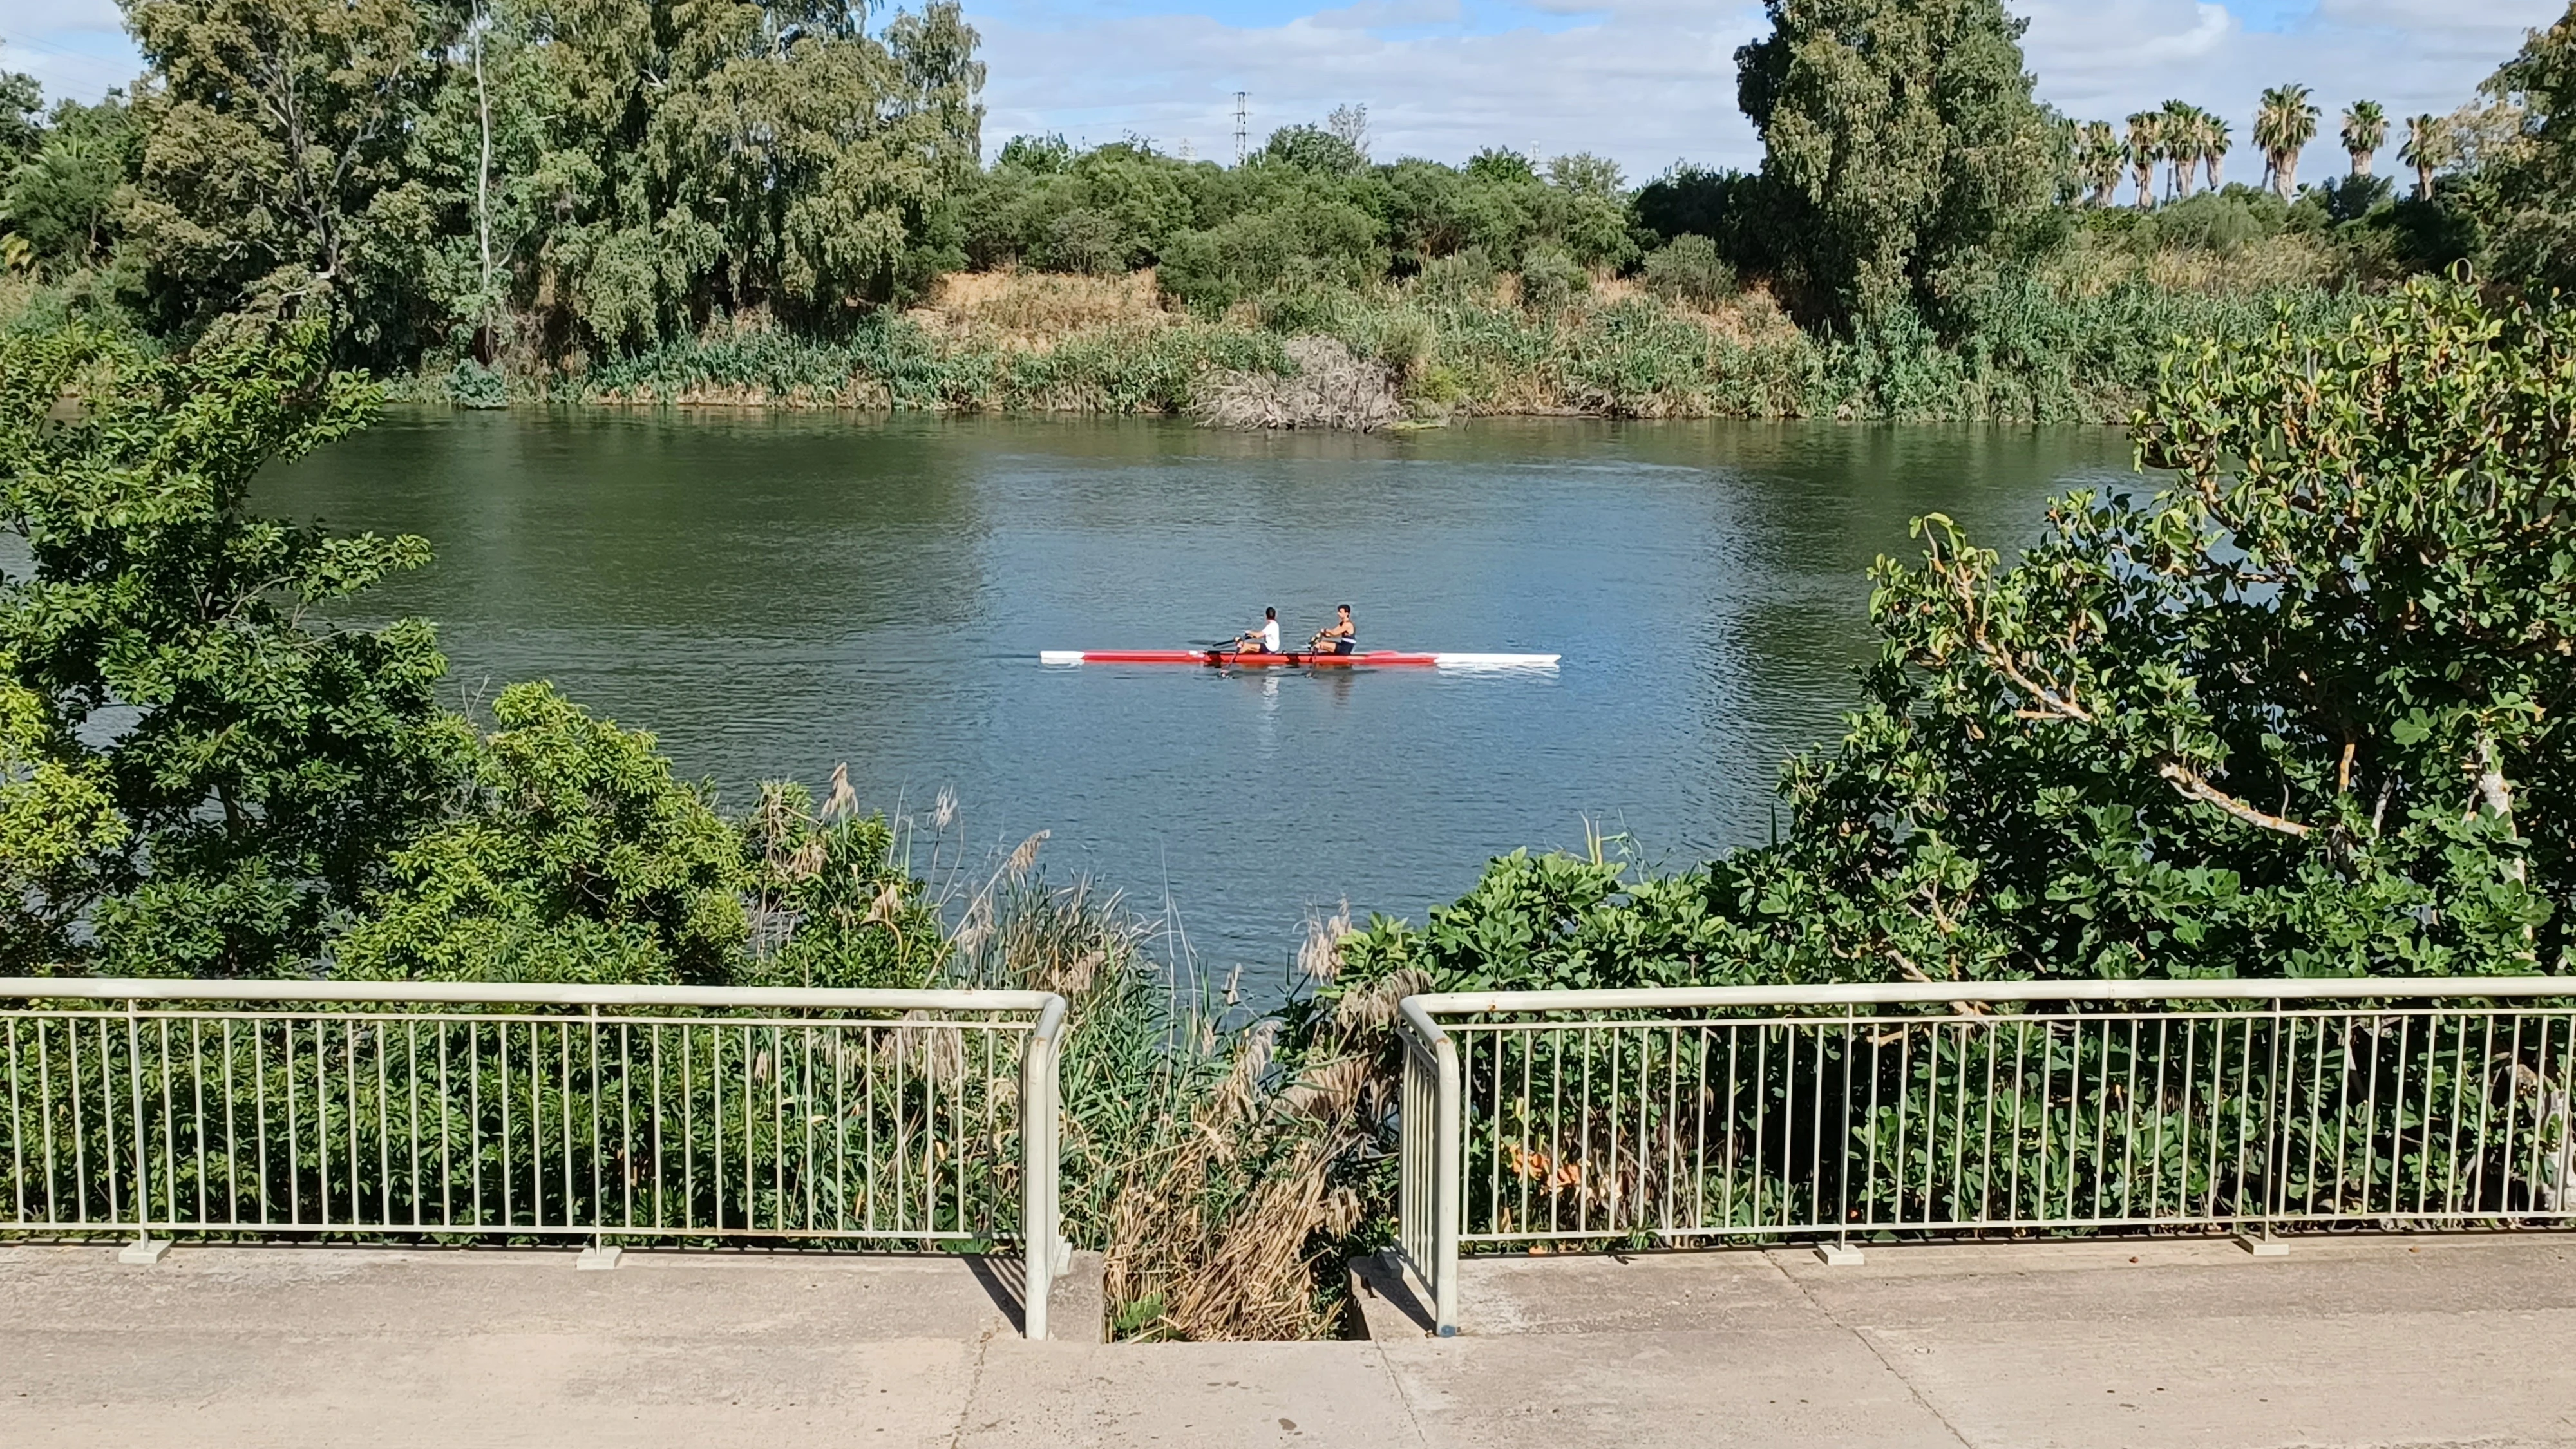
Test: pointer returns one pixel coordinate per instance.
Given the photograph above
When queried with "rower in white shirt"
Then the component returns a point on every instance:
(1264, 640)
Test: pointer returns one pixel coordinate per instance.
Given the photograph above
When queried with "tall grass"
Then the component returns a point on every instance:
(1214, 1156)
(2077, 342)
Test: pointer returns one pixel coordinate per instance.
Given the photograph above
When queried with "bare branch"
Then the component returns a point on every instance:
(2196, 786)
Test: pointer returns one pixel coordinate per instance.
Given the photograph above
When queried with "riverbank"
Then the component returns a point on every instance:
(2077, 344)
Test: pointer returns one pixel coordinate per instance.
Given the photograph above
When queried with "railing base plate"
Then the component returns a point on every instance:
(1838, 1255)
(599, 1260)
(2262, 1247)
(143, 1252)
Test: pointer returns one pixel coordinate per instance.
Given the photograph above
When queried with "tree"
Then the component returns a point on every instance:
(2102, 161)
(2180, 130)
(2145, 149)
(2304, 710)
(2426, 149)
(1905, 138)
(2214, 141)
(2365, 130)
(580, 858)
(2284, 124)
(63, 198)
(2513, 154)
(276, 161)
(1313, 148)
(261, 761)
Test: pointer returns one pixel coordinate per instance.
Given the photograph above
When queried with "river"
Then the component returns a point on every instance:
(774, 595)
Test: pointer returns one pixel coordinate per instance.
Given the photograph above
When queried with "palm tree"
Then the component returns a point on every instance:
(2145, 149)
(2180, 127)
(2283, 124)
(2426, 148)
(2214, 141)
(2100, 160)
(2365, 130)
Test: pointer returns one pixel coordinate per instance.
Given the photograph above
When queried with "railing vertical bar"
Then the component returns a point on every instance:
(654, 1103)
(716, 1034)
(2459, 1026)
(17, 1127)
(45, 1094)
(2477, 1194)
(688, 1126)
(626, 1124)
(1852, 1040)
(197, 1115)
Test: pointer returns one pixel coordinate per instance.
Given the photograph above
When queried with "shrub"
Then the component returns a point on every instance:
(1688, 270)
(1550, 280)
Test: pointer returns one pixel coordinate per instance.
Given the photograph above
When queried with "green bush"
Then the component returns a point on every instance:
(1688, 270)
(1551, 280)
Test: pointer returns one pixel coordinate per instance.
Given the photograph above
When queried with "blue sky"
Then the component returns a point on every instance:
(1646, 82)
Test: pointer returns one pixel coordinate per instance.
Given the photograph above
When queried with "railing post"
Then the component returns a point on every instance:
(1447, 1188)
(142, 1252)
(1041, 1129)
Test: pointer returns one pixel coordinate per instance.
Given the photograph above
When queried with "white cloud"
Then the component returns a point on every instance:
(77, 48)
(1645, 81)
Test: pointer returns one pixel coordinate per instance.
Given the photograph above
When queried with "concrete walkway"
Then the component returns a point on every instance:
(2360, 1341)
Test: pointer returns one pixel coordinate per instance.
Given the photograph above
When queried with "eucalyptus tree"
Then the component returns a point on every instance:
(2365, 130)
(2284, 124)
(1904, 140)
(2144, 149)
(277, 156)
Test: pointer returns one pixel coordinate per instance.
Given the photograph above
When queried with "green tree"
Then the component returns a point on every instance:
(2365, 130)
(577, 857)
(63, 198)
(2145, 148)
(277, 154)
(2284, 124)
(57, 815)
(2301, 711)
(1904, 135)
(263, 761)
(2427, 150)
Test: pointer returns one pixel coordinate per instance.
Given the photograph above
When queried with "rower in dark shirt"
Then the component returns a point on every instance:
(1339, 637)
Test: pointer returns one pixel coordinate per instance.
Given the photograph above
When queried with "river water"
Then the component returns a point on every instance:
(775, 595)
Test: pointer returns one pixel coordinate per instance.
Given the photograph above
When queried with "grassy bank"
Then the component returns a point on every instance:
(2076, 343)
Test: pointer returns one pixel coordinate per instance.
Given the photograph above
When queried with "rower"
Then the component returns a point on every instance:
(1263, 640)
(1339, 637)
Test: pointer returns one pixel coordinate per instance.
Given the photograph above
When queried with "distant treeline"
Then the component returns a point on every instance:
(554, 186)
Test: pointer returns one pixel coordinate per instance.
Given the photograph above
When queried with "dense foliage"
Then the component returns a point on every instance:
(2299, 711)
(201, 773)
(1903, 146)
(642, 198)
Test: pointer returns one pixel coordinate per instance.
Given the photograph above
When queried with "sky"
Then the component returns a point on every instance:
(1645, 82)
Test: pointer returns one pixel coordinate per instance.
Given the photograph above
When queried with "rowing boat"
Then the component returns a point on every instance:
(1219, 658)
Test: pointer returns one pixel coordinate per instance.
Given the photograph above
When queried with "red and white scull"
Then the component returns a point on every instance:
(1225, 659)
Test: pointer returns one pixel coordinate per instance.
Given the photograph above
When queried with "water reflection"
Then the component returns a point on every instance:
(774, 595)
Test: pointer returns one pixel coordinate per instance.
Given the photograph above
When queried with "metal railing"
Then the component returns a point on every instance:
(1752, 1113)
(464, 1110)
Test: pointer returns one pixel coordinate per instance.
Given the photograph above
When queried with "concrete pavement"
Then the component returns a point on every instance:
(2378, 1341)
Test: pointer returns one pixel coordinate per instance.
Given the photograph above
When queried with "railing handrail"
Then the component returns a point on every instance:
(1452, 1032)
(1424, 1010)
(1049, 1005)
(1039, 1090)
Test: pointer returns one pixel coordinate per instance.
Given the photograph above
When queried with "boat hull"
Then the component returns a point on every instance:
(1375, 659)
